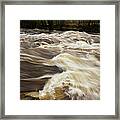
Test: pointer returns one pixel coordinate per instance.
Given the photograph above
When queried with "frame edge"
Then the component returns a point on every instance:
(2, 99)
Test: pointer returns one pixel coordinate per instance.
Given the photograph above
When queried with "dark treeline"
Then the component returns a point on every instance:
(90, 26)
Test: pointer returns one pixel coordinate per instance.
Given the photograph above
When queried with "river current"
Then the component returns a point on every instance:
(60, 66)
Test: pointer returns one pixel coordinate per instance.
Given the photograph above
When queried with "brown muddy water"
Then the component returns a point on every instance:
(59, 66)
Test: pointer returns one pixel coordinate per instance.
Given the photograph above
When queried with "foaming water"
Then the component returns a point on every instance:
(81, 77)
(60, 66)
(69, 62)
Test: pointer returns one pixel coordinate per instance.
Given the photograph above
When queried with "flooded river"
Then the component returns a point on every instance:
(59, 66)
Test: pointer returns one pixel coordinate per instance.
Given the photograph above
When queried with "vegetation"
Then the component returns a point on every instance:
(90, 26)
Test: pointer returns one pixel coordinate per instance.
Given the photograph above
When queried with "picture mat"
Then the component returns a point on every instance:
(15, 13)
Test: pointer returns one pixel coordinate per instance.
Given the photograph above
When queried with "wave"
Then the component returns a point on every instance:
(80, 79)
(60, 66)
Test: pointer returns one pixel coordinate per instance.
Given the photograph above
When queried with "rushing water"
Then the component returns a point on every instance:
(60, 66)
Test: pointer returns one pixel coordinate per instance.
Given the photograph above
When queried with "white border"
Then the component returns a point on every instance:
(15, 13)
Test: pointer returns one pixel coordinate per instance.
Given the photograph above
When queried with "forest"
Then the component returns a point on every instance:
(89, 26)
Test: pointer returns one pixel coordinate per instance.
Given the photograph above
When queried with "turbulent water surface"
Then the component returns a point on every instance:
(60, 66)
